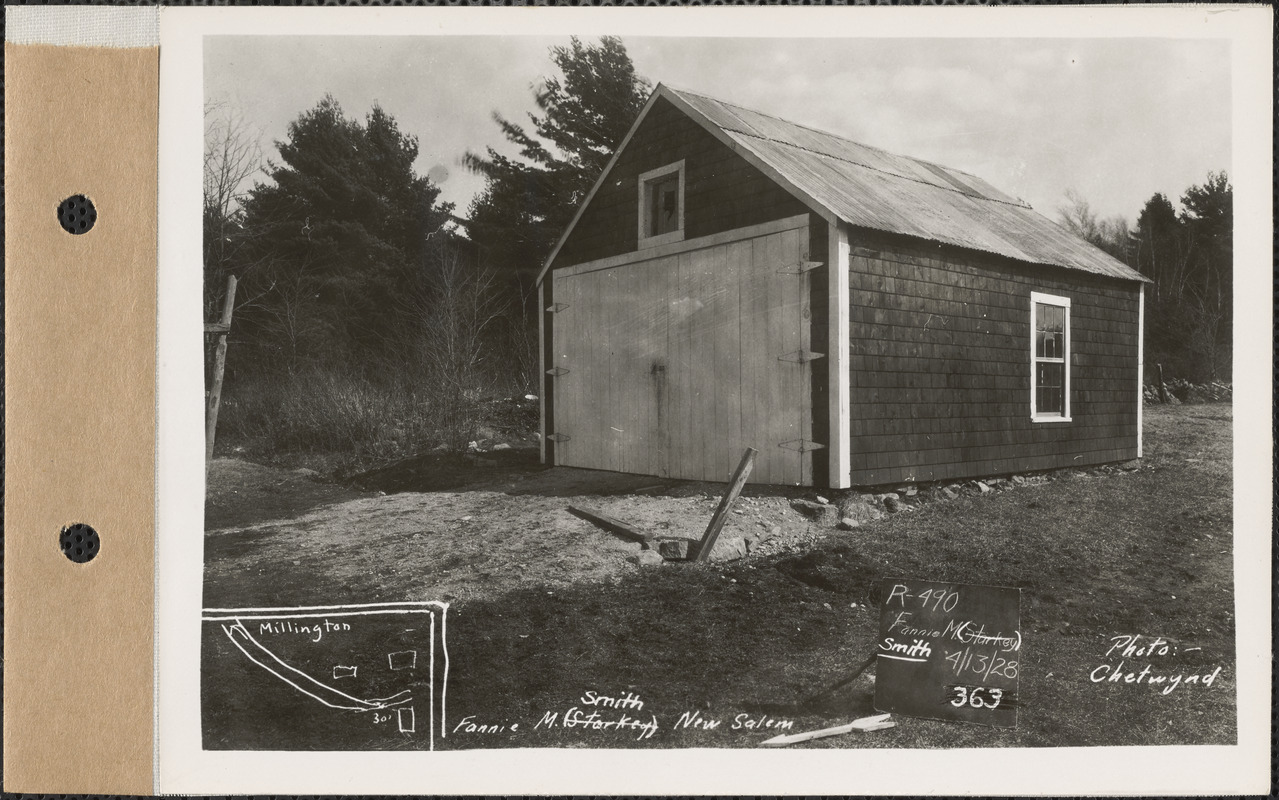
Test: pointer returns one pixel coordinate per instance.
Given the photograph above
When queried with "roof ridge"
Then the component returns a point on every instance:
(834, 135)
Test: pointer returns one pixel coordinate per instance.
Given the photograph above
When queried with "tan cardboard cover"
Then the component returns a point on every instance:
(79, 418)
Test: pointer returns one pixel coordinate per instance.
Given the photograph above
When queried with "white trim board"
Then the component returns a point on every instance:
(644, 220)
(839, 376)
(1037, 298)
(675, 248)
(1141, 361)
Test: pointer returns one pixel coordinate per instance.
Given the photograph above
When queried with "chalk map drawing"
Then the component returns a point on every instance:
(387, 663)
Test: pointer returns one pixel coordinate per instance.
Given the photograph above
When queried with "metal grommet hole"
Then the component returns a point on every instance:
(76, 214)
(79, 542)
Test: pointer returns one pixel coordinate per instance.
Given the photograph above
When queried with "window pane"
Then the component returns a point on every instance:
(1049, 345)
(663, 197)
(1050, 388)
(1050, 318)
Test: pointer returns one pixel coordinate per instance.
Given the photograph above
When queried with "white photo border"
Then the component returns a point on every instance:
(183, 767)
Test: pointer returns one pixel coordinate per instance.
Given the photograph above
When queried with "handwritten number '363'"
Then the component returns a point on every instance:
(976, 697)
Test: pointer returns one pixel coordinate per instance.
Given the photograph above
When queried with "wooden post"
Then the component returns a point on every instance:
(726, 504)
(617, 526)
(1163, 390)
(219, 364)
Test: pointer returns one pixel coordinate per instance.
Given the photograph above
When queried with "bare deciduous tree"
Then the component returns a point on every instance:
(232, 155)
(456, 305)
(1110, 234)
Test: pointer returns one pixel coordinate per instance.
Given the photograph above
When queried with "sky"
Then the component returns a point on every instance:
(1114, 120)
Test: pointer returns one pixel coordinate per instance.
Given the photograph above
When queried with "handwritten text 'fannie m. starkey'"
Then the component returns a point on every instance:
(624, 713)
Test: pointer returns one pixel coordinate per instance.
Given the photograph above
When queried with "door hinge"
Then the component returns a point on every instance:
(801, 356)
(558, 437)
(556, 308)
(557, 371)
(801, 267)
(802, 445)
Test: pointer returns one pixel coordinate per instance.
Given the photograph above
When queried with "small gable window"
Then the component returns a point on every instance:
(661, 205)
(1050, 358)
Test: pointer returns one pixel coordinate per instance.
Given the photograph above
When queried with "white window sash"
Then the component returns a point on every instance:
(1036, 299)
(646, 180)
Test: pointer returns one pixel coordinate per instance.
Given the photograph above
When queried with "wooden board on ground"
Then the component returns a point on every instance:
(949, 651)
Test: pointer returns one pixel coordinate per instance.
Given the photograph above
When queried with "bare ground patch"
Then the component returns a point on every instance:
(546, 606)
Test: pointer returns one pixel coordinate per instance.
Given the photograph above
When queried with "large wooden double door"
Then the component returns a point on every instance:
(671, 366)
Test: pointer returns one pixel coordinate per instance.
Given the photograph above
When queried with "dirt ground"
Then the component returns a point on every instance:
(504, 525)
(546, 605)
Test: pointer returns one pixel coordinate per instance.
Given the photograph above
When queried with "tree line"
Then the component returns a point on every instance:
(359, 288)
(1189, 254)
(356, 280)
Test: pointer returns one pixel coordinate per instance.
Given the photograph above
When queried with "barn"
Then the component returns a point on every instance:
(858, 317)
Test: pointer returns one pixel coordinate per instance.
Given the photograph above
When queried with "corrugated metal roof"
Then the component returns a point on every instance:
(871, 188)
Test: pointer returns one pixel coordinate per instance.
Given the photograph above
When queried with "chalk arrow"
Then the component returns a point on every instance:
(875, 723)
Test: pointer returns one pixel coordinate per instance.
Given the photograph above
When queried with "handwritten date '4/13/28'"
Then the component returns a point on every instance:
(984, 664)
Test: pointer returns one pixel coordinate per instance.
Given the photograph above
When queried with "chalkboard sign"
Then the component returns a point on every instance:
(949, 651)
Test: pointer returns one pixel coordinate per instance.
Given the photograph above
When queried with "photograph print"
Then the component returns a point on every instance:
(626, 391)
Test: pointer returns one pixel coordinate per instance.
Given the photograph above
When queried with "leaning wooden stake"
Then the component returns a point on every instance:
(617, 526)
(1163, 390)
(222, 328)
(726, 504)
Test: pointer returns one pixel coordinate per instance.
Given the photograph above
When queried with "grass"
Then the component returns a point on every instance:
(1096, 556)
(340, 421)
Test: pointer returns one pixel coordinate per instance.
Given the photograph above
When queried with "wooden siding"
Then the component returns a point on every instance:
(673, 362)
(722, 191)
(940, 365)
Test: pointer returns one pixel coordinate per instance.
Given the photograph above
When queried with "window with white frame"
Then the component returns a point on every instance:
(661, 205)
(1049, 358)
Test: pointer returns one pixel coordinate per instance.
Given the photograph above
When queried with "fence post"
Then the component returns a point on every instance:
(219, 365)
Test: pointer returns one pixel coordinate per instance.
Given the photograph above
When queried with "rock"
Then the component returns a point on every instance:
(910, 491)
(820, 513)
(1018, 480)
(674, 549)
(861, 508)
(984, 488)
(950, 492)
(646, 558)
(823, 500)
(472, 446)
(306, 473)
(1130, 466)
(503, 446)
(847, 524)
(892, 502)
(729, 549)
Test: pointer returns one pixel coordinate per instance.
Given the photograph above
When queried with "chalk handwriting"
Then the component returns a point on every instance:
(316, 630)
(1151, 650)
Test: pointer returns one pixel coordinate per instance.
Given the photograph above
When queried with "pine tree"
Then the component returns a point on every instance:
(528, 202)
(338, 233)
